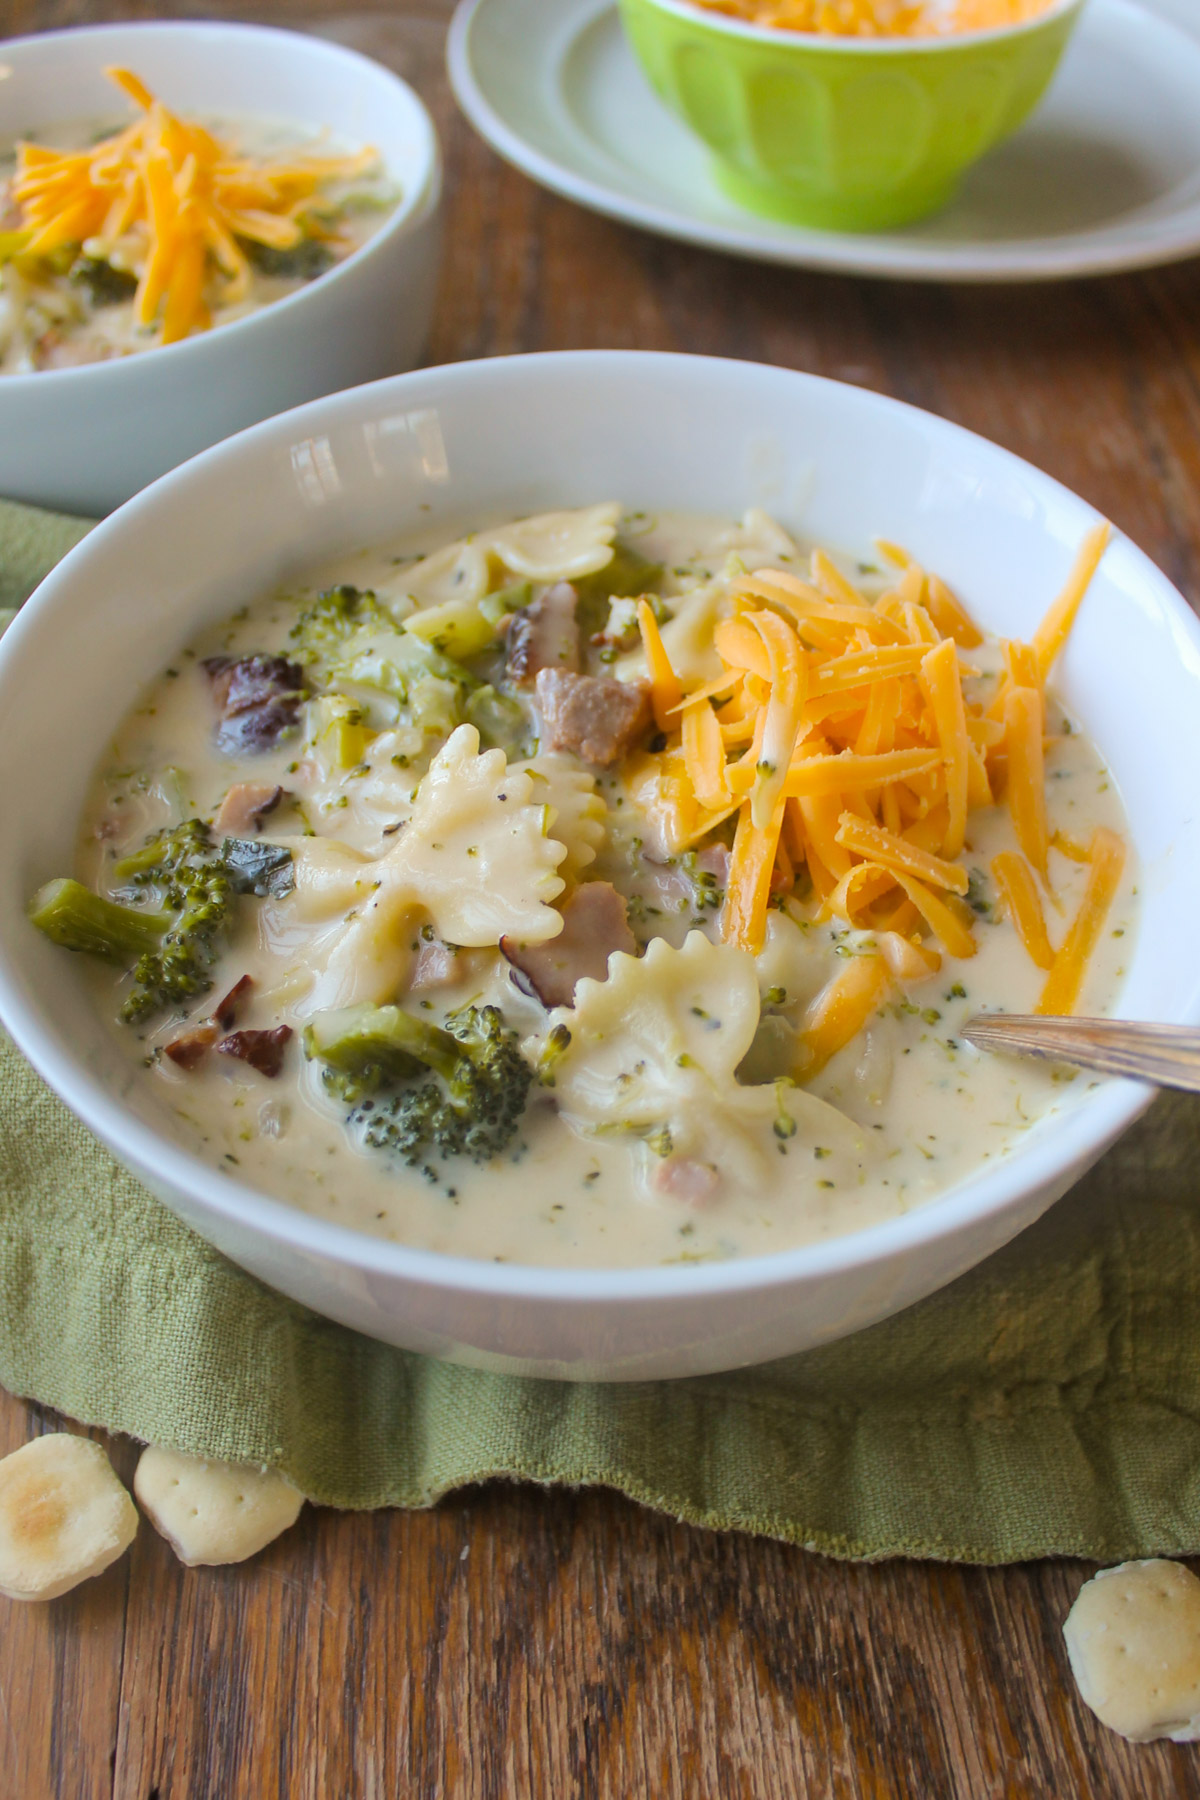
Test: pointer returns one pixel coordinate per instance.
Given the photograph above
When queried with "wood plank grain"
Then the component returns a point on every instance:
(514, 1642)
(519, 1643)
(60, 1669)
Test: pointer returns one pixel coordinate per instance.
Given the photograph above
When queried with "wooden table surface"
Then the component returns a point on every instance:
(515, 1643)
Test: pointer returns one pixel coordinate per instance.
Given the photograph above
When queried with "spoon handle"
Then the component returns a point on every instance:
(1167, 1055)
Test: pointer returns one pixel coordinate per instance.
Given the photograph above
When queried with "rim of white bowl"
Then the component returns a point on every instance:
(1079, 1136)
(408, 214)
(827, 43)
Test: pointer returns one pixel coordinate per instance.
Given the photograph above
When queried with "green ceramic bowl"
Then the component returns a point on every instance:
(845, 134)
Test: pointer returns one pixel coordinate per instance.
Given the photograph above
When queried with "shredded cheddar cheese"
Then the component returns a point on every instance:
(1018, 891)
(879, 845)
(1051, 634)
(1063, 983)
(171, 204)
(882, 18)
(1024, 739)
(665, 691)
(839, 1013)
(846, 735)
(750, 867)
(941, 685)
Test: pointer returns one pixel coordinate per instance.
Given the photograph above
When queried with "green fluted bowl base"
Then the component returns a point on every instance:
(793, 205)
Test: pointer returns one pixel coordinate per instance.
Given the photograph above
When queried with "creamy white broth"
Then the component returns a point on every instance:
(48, 320)
(919, 1109)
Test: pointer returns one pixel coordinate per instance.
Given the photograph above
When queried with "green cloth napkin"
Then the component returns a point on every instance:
(1048, 1403)
(31, 542)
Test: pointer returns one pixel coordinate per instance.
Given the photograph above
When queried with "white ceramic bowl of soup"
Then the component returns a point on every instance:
(84, 439)
(492, 440)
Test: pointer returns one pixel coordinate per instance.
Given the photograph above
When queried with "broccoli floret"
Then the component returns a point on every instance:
(707, 890)
(432, 687)
(334, 616)
(172, 942)
(363, 1048)
(77, 919)
(558, 1041)
(977, 892)
(349, 637)
(411, 1126)
(188, 873)
(302, 262)
(475, 1108)
(105, 285)
(161, 857)
(472, 1104)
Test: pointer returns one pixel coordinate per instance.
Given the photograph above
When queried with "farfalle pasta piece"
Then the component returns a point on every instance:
(476, 853)
(756, 539)
(654, 1052)
(475, 857)
(458, 571)
(556, 546)
(330, 877)
(578, 815)
(688, 634)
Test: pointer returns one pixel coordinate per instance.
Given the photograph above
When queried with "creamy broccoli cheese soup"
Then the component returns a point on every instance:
(600, 889)
(117, 239)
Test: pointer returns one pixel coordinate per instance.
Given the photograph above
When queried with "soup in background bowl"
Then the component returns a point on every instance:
(304, 505)
(125, 234)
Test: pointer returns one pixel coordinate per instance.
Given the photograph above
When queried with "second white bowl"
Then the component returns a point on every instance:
(85, 439)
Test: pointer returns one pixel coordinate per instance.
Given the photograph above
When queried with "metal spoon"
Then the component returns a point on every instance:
(1168, 1055)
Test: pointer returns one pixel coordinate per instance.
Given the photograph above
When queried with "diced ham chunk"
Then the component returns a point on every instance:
(594, 926)
(245, 807)
(258, 698)
(595, 717)
(680, 1178)
(544, 636)
(263, 1050)
(435, 965)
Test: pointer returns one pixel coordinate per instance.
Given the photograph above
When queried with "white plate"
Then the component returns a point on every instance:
(1106, 176)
